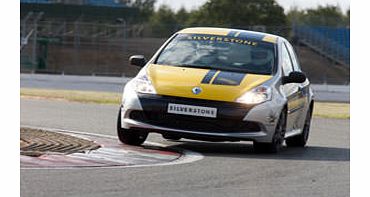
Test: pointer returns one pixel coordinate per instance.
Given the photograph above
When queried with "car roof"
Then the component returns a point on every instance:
(231, 32)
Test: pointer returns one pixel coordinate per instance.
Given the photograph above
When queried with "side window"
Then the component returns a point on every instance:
(292, 53)
(287, 62)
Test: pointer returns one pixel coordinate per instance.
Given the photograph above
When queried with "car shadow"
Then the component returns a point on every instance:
(244, 150)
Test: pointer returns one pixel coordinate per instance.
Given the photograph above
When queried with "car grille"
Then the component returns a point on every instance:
(194, 123)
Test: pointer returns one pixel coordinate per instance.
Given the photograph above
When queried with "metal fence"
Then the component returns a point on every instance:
(332, 42)
(103, 49)
(75, 48)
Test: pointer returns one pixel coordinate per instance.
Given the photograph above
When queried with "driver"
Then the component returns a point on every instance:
(262, 58)
(239, 55)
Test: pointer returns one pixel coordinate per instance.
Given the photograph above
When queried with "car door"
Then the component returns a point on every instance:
(303, 89)
(291, 90)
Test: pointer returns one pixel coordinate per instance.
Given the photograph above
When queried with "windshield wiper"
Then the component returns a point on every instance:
(195, 66)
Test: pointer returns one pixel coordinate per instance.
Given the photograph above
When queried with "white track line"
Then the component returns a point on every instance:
(187, 156)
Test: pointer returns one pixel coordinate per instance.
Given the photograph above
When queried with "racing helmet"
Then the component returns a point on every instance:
(261, 56)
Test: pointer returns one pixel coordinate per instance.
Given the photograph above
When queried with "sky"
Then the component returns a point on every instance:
(286, 4)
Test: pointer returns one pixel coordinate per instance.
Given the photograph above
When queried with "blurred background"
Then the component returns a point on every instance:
(96, 37)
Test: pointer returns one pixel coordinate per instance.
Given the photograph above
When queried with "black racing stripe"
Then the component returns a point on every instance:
(232, 33)
(229, 78)
(208, 77)
(253, 36)
(246, 35)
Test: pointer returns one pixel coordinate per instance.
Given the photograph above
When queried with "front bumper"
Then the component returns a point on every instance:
(234, 121)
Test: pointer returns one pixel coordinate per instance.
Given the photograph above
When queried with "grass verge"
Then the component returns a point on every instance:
(322, 109)
(72, 95)
(332, 110)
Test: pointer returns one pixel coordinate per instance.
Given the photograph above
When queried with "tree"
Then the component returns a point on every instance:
(325, 16)
(348, 17)
(321, 16)
(182, 16)
(163, 22)
(238, 13)
(146, 8)
(295, 16)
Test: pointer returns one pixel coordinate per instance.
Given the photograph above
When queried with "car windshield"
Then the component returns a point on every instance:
(219, 53)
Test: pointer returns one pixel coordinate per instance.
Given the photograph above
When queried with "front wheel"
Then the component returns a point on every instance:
(301, 139)
(128, 136)
(277, 139)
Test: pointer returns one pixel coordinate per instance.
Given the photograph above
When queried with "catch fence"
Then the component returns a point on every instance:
(85, 48)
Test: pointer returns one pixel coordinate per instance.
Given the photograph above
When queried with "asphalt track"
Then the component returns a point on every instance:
(227, 169)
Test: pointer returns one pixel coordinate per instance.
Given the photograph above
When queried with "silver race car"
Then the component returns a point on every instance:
(216, 84)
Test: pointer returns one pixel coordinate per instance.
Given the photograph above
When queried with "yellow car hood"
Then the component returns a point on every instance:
(215, 85)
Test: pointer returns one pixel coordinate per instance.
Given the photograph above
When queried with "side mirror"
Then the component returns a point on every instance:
(137, 60)
(295, 77)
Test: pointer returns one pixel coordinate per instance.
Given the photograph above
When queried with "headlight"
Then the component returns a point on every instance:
(256, 96)
(142, 83)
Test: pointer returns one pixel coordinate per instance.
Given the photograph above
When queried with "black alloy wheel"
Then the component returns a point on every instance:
(130, 137)
(277, 140)
(301, 139)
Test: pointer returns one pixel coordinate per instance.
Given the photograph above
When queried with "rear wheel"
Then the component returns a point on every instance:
(277, 139)
(301, 140)
(128, 136)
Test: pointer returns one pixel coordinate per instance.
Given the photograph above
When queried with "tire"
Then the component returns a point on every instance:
(277, 139)
(128, 136)
(171, 137)
(301, 140)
